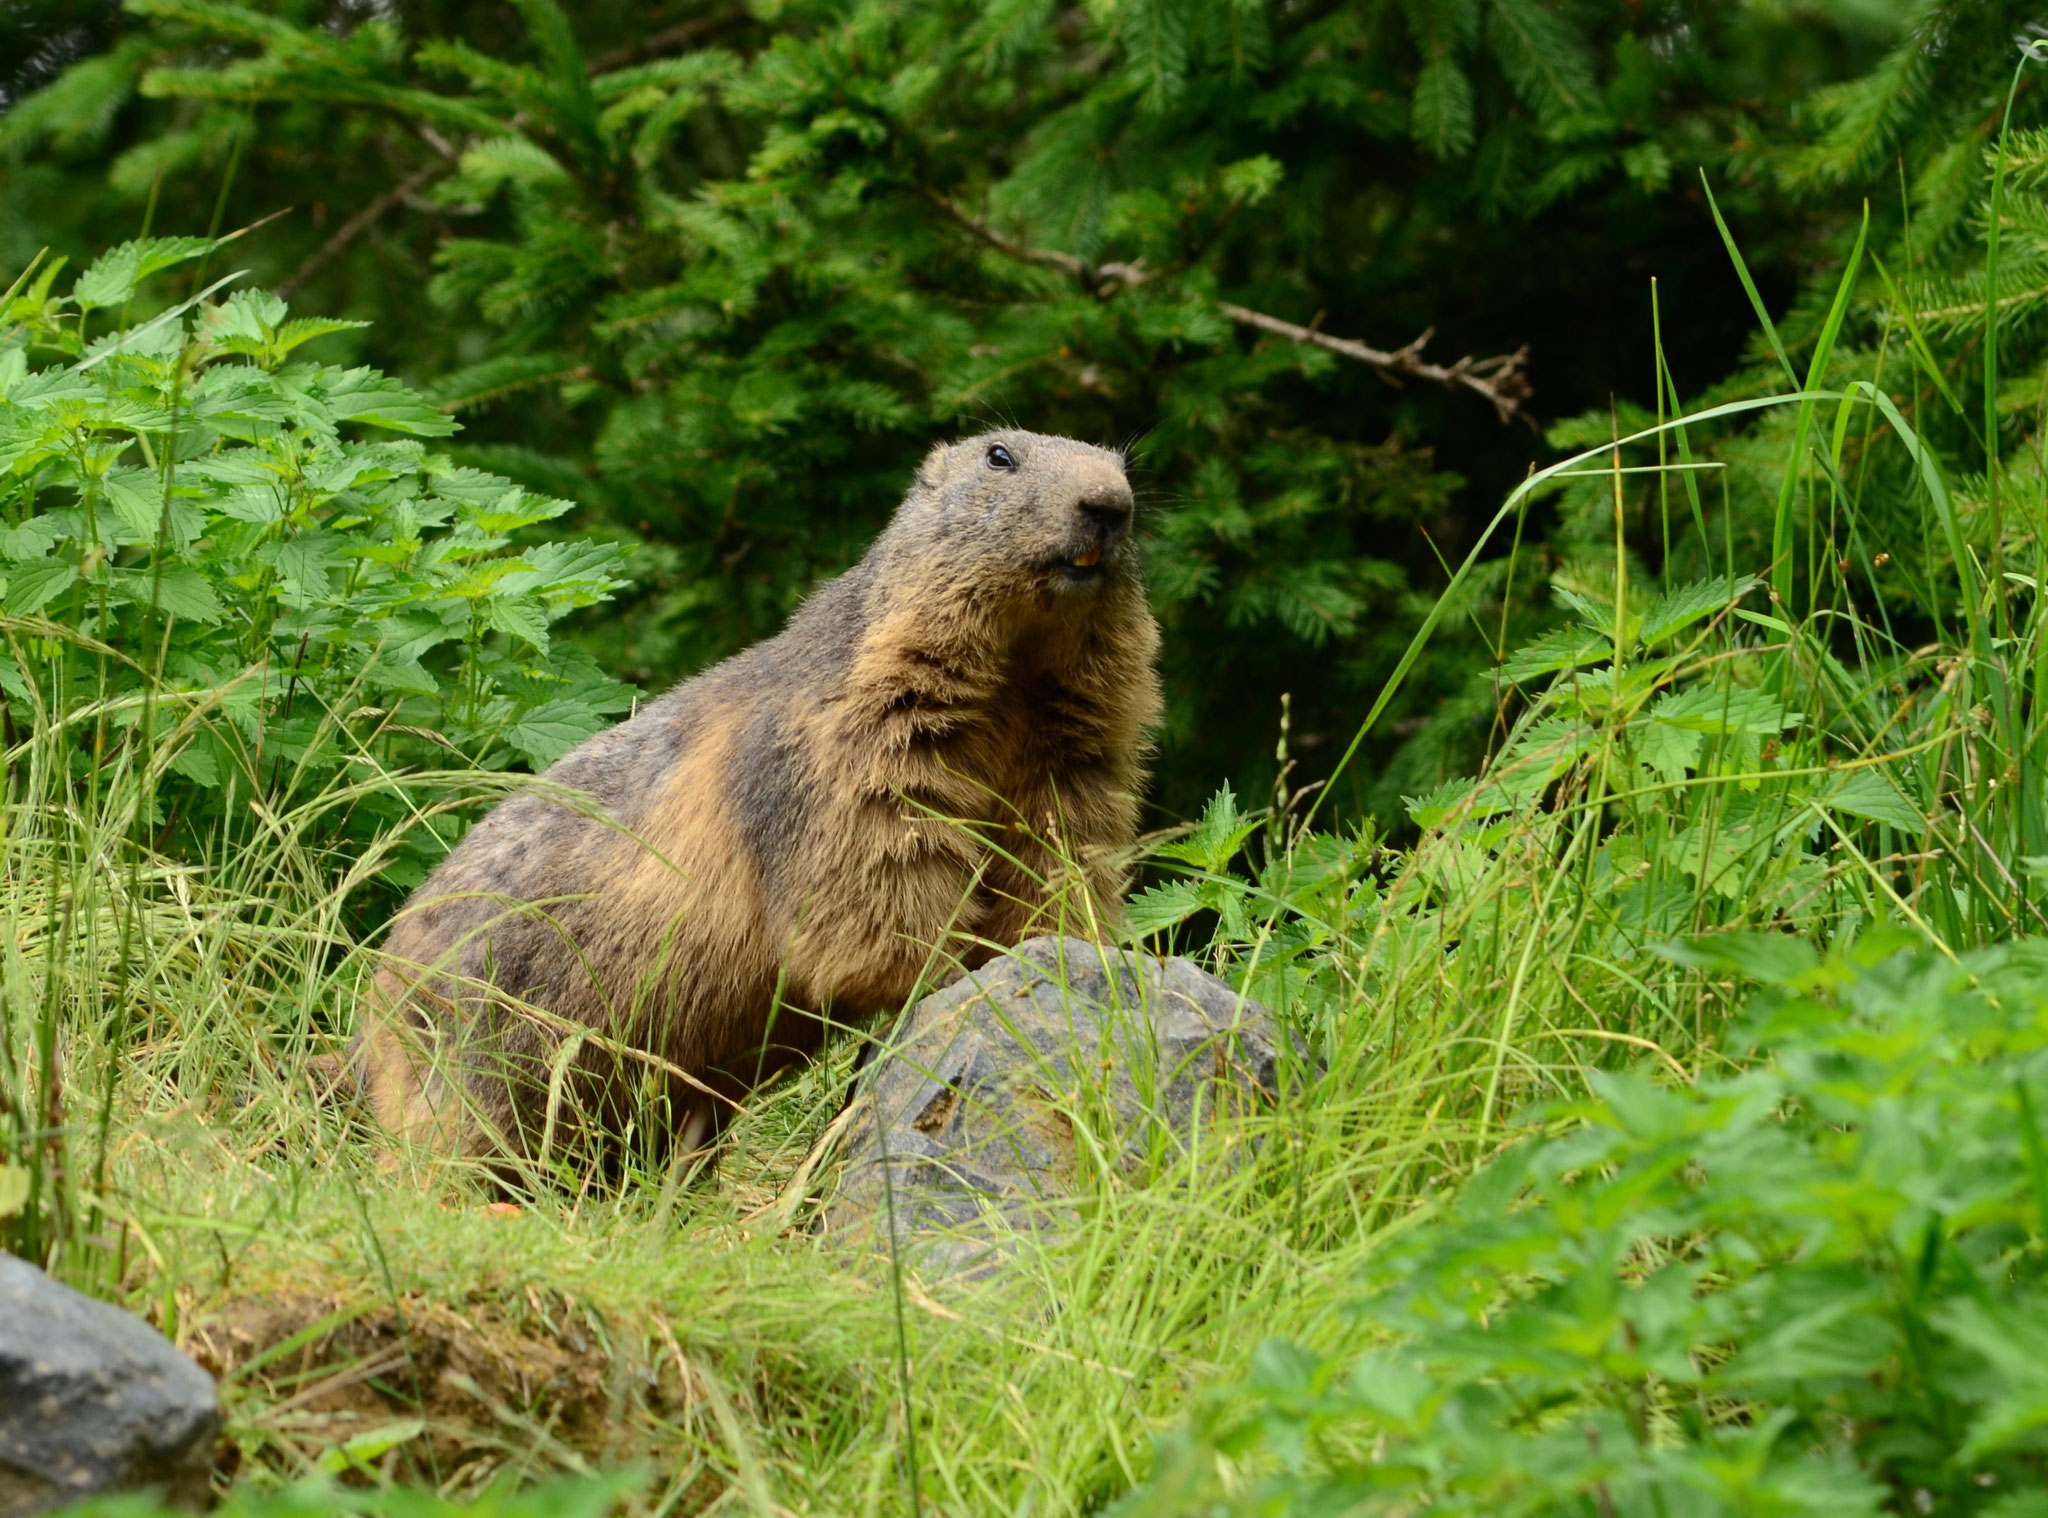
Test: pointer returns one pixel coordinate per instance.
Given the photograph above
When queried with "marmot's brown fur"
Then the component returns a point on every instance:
(805, 829)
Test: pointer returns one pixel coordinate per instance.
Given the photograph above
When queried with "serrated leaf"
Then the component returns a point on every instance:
(33, 585)
(1160, 907)
(1597, 615)
(199, 761)
(396, 671)
(550, 730)
(1435, 808)
(261, 504)
(178, 589)
(580, 573)
(515, 509)
(1566, 647)
(33, 539)
(1686, 604)
(303, 561)
(1671, 752)
(1217, 837)
(518, 617)
(113, 276)
(137, 498)
(376, 400)
(1726, 709)
(1871, 793)
(250, 315)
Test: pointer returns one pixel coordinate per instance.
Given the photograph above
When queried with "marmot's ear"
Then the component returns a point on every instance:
(931, 474)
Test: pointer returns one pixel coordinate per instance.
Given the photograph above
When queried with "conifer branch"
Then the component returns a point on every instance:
(1502, 380)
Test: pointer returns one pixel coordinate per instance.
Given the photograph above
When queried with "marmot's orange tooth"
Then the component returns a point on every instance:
(1089, 559)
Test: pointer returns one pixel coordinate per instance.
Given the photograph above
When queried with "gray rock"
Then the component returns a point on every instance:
(93, 1400)
(998, 1094)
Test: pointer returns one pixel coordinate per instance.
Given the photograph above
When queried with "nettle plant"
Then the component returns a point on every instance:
(1656, 778)
(1811, 1287)
(246, 564)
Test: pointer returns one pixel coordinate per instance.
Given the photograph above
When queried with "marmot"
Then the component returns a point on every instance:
(891, 782)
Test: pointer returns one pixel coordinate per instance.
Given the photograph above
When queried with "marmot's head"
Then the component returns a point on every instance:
(1045, 517)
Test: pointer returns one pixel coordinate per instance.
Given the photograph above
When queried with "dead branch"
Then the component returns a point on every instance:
(355, 227)
(670, 39)
(1502, 380)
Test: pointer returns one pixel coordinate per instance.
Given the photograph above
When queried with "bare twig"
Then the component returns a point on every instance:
(436, 141)
(669, 39)
(355, 227)
(1502, 380)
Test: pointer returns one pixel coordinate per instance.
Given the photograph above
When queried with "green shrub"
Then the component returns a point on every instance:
(725, 280)
(247, 568)
(1815, 1287)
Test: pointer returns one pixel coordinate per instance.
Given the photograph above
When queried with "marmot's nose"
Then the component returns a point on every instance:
(1106, 514)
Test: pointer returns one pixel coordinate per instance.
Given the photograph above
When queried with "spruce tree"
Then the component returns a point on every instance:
(722, 275)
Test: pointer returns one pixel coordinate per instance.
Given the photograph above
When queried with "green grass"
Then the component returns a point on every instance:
(1687, 755)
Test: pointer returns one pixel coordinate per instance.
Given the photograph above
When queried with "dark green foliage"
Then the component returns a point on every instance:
(1812, 1288)
(242, 563)
(723, 290)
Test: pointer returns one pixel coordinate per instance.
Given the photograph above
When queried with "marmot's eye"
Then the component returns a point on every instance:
(999, 458)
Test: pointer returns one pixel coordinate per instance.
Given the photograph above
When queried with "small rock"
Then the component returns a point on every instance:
(93, 1400)
(978, 1090)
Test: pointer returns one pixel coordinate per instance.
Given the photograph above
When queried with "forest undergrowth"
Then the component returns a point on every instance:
(266, 651)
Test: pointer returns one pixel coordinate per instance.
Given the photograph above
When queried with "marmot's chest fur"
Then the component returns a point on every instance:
(940, 754)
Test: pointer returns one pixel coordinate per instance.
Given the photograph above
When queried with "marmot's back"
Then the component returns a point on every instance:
(806, 829)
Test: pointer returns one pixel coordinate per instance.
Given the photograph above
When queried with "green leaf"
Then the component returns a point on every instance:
(15, 1186)
(199, 761)
(137, 497)
(358, 1451)
(1729, 709)
(398, 671)
(33, 539)
(113, 277)
(1566, 647)
(304, 561)
(1871, 793)
(1684, 605)
(550, 730)
(1774, 959)
(1671, 752)
(179, 589)
(1215, 840)
(377, 400)
(578, 573)
(519, 617)
(33, 585)
(1160, 907)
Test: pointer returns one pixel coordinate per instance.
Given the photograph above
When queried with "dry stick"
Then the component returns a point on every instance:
(1502, 380)
(355, 227)
(672, 39)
